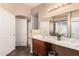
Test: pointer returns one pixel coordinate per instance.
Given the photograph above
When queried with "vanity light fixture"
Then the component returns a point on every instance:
(48, 10)
(52, 9)
(57, 7)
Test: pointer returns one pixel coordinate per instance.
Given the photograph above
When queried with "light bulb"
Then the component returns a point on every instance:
(48, 10)
(52, 8)
(64, 3)
(60, 5)
(56, 6)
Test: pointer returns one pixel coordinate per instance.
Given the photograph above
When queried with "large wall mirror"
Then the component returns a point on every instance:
(66, 25)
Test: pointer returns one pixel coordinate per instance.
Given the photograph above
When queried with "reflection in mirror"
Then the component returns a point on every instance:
(52, 26)
(61, 28)
(59, 24)
(75, 24)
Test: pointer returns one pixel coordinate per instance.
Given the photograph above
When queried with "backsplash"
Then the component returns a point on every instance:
(35, 32)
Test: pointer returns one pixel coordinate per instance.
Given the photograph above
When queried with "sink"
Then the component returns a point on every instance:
(47, 37)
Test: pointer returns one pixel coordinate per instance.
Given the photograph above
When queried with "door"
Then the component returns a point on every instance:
(21, 32)
(7, 32)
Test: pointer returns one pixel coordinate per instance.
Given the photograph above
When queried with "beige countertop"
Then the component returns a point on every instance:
(65, 42)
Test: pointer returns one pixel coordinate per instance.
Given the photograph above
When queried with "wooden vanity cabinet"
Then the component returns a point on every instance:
(40, 48)
(63, 51)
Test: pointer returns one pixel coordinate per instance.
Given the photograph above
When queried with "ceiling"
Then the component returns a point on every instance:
(31, 5)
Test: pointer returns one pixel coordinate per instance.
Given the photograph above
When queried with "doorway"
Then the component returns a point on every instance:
(21, 31)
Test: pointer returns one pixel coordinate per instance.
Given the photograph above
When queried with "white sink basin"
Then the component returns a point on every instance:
(50, 37)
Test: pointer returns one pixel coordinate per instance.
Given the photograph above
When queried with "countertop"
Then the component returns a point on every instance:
(64, 42)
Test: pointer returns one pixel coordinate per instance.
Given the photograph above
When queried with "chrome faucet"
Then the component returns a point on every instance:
(58, 36)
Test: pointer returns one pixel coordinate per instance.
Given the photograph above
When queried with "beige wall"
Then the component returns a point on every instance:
(23, 10)
(42, 9)
(17, 9)
(8, 7)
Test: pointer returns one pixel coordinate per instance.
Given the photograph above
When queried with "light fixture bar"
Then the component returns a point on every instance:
(56, 7)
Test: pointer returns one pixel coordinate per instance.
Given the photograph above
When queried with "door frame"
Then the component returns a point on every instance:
(25, 18)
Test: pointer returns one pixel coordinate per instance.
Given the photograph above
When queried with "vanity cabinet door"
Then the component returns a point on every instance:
(35, 42)
(40, 48)
(63, 51)
(42, 51)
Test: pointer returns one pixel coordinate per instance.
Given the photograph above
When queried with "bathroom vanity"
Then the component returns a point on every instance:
(65, 25)
(41, 46)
